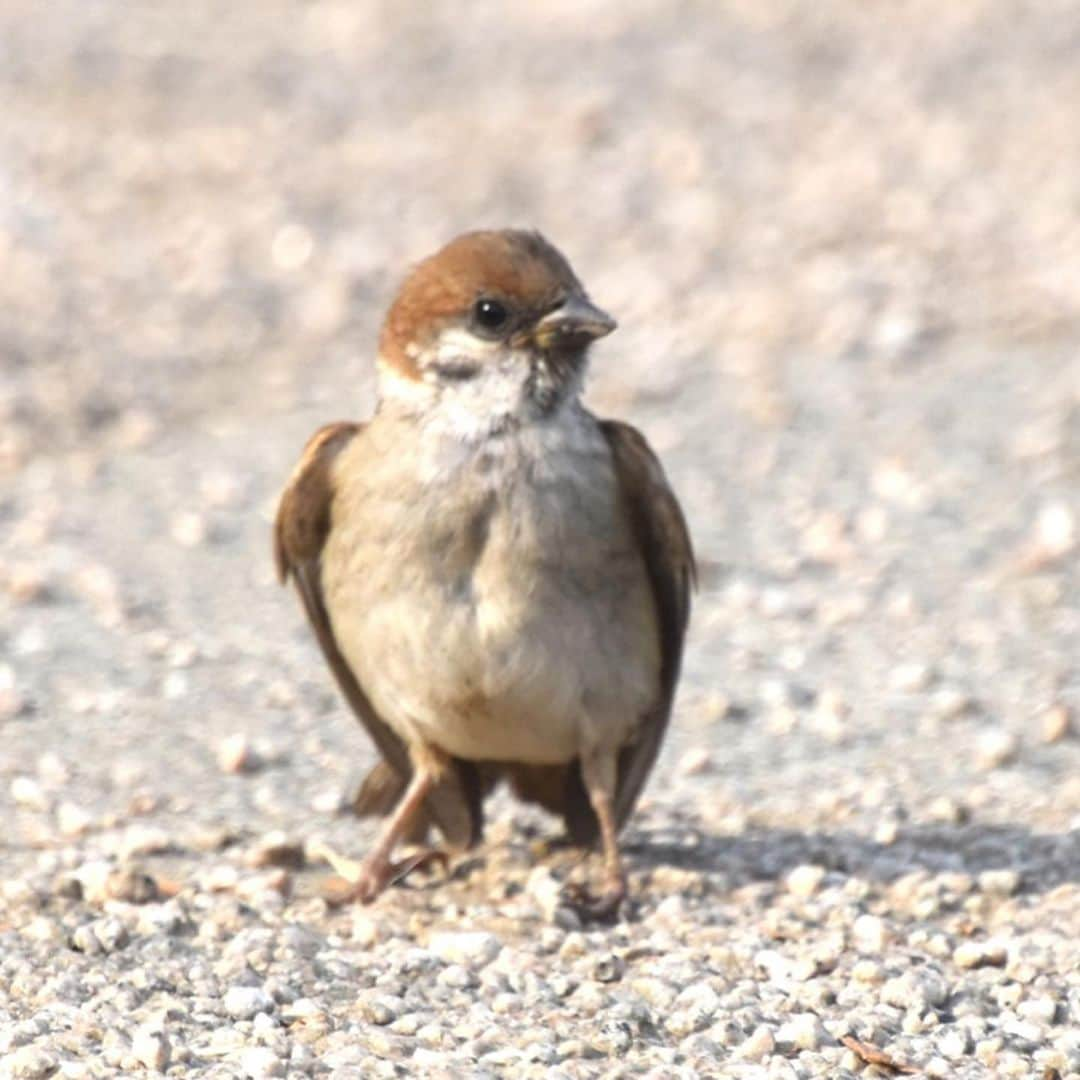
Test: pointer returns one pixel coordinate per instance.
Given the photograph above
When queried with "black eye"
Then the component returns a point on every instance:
(490, 315)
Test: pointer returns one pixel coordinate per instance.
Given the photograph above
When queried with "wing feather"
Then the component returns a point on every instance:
(661, 532)
(300, 530)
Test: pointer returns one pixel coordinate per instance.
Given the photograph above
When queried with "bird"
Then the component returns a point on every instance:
(499, 580)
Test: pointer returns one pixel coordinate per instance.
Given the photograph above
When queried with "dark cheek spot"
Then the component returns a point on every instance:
(456, 370)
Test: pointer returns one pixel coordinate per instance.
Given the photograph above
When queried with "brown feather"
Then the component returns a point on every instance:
(660, 527)
(510, 262)
(661, 532)
(300, 530)
(524, 266)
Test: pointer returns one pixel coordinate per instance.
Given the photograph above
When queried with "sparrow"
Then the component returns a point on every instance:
(499, 581)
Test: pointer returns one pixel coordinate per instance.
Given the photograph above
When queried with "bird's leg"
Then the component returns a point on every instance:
(382, 789)
(376, 870)
(598, 771)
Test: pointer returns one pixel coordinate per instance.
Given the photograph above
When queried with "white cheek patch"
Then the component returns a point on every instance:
(457, 343)
(397, 387)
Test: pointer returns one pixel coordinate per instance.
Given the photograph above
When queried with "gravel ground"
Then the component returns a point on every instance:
(844, 251)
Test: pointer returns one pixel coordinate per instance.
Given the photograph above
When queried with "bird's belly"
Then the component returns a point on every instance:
(530, 669)
(522, 629)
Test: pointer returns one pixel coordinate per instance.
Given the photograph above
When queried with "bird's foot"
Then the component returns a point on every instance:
(418, 860)
(601, 907)
(366, 878)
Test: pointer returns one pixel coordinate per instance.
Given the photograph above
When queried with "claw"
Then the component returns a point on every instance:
(600, 907)
(425, 858)
(368, 877)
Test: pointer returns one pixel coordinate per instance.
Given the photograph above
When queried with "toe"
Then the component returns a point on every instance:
(400, 870)
(600, 907)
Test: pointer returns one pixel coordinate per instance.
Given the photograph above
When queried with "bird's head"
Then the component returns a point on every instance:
(490, 331)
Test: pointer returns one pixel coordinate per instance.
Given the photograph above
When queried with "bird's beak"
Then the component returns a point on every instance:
(574, 323)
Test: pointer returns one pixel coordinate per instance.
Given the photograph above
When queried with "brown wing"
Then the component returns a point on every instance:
(658, 522)
(300, 530)
(661, 532)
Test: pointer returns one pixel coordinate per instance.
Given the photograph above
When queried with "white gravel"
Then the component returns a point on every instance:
(844, 256)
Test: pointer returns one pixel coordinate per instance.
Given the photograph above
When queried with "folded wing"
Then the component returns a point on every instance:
(664, 541)
(300, 531)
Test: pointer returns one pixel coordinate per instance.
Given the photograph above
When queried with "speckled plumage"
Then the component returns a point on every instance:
(500, 581)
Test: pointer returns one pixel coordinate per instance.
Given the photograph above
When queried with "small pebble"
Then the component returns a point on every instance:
(954, 1043)
(189, 529)
(277, 849)
(911, 678)
(999, 882)
(949, 703)
(802, 1032)
(996, 748)
(696, 762)
(330, 801)
(236, 754)
(131, 885)
(101, 936)
(974, 954)
(365, 930)
(244, 1002)
(137, 840)
(757, 1046)
(259, 1062)
(545, 891)
(918, 988)
(27, 584)
(614, 1039)
(804, 881)
(150, 1047)
(1040, 1010)
(30, 1063)
(825, 539)
(869, 934)
(457, 976)
(72, 820)
(12, 702)
(1055, 530)
(867, 971)
(886, 832)
(470, 947)
(659, 993)
(946, 810)
(292, 246)
(29, 794)
(1055, 724)
(608, 968)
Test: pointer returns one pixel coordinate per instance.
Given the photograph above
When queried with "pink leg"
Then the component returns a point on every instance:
(377, 870)
(598, 772)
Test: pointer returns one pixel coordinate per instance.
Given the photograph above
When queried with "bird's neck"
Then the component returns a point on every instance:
(487, 407)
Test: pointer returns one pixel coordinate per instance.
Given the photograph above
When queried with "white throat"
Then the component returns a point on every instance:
(499, 397)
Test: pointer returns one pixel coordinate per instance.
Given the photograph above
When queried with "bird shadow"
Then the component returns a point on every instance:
(1043, 861)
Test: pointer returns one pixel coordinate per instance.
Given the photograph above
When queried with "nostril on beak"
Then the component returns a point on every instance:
(577, 318)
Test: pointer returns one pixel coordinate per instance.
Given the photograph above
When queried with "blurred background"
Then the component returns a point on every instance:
(844, 252)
